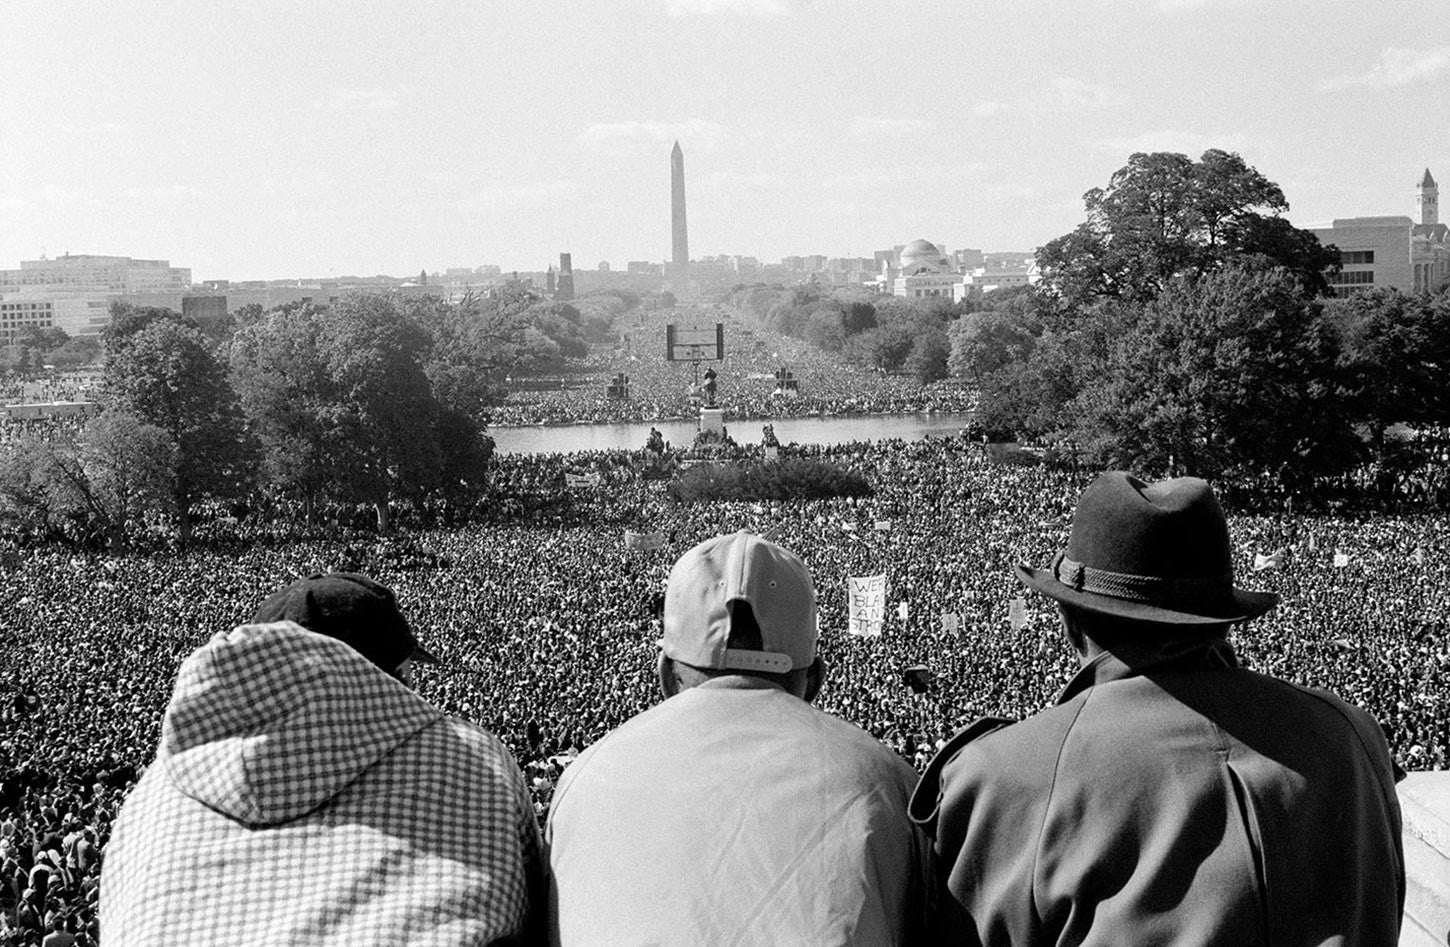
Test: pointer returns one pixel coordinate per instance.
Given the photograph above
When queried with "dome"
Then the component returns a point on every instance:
(919, 253)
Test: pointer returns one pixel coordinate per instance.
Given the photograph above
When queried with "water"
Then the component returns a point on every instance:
(813, 430)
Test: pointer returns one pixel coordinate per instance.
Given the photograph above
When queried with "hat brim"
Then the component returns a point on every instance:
(1241, 606)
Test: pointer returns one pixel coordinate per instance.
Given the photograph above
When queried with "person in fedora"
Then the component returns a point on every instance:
(734, 812)
(303, 793)
(1171, 796)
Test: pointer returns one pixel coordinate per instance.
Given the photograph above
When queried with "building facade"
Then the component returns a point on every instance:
(1392, 252)
(75, 292)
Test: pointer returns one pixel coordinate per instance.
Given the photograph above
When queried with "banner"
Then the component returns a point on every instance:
(951, 622)
(1272, 561)
(867, 596)
(647, 541)
(772, 453)
(1341, 559)
(902, 610)
(581, 481)
(883, 526)
(1017, 613)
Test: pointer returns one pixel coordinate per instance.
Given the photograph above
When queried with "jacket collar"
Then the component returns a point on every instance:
(1133, 659)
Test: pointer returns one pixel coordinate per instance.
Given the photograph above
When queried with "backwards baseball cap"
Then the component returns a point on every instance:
(353, 609)
(742, 567)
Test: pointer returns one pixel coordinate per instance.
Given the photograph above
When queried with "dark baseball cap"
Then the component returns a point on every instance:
(353, 609)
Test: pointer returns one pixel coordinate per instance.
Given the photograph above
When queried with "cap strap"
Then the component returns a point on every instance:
(769, 662)
(1137, 588)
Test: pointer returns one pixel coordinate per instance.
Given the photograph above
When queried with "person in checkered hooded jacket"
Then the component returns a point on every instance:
(303, 793)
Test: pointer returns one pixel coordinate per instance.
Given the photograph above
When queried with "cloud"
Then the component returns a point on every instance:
(1396, 67)
(1065, 93)
(1192, 144)
(525, 194)
(693, 135)
(1077, 95)
(870, 127)
(356, 100)
(741, 7)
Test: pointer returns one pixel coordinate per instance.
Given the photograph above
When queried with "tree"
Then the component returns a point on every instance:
(1393, 349)
(929, 352)
(164, 371)
(1163, 216)
(286, 394)
(383, 437)
(1231, 373)
(119, 471)
(824, 329)
(126, 469)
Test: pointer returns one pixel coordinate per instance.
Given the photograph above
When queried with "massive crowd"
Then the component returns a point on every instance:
(664, 390)
(547, 624)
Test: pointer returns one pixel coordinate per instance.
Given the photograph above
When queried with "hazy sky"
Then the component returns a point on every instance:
(303, 138)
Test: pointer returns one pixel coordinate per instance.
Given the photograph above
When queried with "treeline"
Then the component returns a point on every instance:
(34, 348)
(1183, 327)
(877, 332)
(374, 400)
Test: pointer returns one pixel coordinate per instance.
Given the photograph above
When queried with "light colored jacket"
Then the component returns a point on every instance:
(736, 813)
(302, 796)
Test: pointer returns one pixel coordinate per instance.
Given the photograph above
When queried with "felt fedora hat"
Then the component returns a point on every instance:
(1154, 552)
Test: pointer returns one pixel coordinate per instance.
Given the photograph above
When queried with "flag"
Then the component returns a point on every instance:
(1419, 555)
(1273, 560)
(951, 622)
(772, 453)
(867, 597)
(902, 610)
(1313, 543)
(1341, 559)
(1017, 613)
(848, 527)
(883, 526)
(651, 540)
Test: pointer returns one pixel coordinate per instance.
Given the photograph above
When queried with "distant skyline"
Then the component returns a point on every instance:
(274, 140)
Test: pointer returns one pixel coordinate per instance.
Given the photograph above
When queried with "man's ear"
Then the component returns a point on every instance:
(669, 679)
(815, 677)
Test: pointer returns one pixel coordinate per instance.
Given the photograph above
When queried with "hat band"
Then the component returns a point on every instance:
(1149, 589)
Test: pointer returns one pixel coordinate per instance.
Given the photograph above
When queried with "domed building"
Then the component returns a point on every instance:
(923, 271)
(920, 256)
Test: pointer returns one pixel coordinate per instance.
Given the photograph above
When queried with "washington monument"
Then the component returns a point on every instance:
(681, 241)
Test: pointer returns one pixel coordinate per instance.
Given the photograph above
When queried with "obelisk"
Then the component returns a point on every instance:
(681, 241)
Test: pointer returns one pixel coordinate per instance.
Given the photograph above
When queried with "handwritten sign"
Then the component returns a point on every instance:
(867, 604)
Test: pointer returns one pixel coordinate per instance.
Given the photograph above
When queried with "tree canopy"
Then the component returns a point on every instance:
(1163, 216)
(160, 368)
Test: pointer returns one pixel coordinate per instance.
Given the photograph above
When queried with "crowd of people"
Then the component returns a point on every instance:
(747, 384)
(546, 621)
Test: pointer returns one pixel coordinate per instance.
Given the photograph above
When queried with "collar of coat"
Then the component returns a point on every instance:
(1135, 658)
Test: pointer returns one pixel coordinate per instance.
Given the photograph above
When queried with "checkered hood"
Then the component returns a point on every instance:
(268, 722)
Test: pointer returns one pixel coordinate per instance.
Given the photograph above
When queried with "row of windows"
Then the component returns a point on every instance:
(1359, 278)
(1356, 256)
